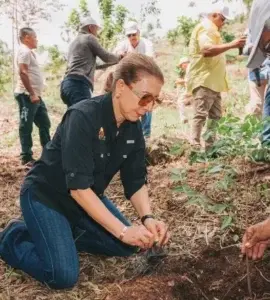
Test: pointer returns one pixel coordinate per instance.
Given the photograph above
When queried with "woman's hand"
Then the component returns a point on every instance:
(138, 236)
(159, 230)
(256, 239)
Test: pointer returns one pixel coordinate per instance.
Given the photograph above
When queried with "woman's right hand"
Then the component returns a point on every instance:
(138, 236)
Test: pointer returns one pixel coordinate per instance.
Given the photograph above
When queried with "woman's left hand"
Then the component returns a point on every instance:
(159, 229)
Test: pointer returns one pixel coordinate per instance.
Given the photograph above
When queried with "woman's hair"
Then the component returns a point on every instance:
(133, 66)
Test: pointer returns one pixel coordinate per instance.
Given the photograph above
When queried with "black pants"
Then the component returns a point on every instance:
(75, 88)
(32, 113)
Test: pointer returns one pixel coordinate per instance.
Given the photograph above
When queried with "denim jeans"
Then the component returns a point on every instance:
(146, 124)
(45, 245)
(32, 113)
(266, 114)
(75, 89)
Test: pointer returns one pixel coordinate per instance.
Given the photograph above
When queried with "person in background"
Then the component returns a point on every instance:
(183, 97)
(28, 92)
(206, 78)
(63, 202)
(257, 237)
(134, 43)
(258, 81)
(78, 83)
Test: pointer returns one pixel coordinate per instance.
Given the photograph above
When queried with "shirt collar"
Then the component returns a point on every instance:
(208, 24)
(108, 112)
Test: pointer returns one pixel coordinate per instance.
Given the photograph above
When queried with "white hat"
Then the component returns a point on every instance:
(131, 28)
(220, 9)
(87, 21)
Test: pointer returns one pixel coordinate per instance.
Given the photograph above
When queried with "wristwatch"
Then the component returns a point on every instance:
(146, 217)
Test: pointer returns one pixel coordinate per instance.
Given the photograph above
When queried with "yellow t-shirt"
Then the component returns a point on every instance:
(203, 71)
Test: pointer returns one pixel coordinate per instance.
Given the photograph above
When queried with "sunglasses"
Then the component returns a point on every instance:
(223, 19)
(132, 35)
(146, 99)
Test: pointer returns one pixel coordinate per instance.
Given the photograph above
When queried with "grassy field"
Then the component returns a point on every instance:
(207, 202)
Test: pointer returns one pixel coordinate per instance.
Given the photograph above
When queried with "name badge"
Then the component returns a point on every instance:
(125, 156)
(130, 141)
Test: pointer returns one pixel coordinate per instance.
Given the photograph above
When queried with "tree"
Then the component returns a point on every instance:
(29, 12)
(5, 63)
(113, 18)
(184, 28)
(149, 18)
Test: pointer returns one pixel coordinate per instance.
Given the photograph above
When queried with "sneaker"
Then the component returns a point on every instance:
(8, 225)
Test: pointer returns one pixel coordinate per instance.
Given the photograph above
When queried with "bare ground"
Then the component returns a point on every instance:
(204, 261)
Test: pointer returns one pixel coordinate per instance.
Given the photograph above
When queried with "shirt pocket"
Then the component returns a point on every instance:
(100, 155)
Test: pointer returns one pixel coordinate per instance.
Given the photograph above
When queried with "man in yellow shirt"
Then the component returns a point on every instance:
(206, 78)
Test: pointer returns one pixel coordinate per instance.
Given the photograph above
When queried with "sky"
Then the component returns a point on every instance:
(49, 32)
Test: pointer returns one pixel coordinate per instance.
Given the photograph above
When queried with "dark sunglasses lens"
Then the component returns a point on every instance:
(145, 100)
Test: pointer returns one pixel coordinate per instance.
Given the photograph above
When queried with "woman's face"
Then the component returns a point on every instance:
(138, 98)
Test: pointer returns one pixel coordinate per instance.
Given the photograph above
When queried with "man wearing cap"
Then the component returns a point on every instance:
(134, 43)
(78, 83)
(206, 78)
(259, 30)
(257, 237)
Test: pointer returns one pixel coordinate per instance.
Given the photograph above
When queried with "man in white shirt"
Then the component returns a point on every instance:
(134, 43)
(28, 95)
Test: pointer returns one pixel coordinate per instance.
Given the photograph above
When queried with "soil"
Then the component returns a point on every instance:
(215, 274)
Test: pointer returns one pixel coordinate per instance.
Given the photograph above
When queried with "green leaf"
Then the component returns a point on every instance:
(178, 174)
(218, 208)
(177, 150)
(216, 169)
(226, 222)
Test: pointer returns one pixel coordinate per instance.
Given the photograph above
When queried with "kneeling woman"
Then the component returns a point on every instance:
(63, 204)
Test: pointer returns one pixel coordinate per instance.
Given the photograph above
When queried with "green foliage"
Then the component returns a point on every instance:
(173, 36)
(5, 63)
(56, 59)
(227, 37)
(114, 18)
(84, 8)
(235, 138)
(184, 28)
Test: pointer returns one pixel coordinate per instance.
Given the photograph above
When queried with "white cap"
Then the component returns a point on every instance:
(87, 21)
(220, 9)
(131, 28)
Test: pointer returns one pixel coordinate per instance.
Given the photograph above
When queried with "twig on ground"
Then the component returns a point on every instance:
(234, 285)
(248, 278)
(268, 280)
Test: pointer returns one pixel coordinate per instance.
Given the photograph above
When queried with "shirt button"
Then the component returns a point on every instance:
(72, 175)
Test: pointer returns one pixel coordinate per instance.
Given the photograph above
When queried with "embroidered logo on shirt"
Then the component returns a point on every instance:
(101, 134)
(130, 141)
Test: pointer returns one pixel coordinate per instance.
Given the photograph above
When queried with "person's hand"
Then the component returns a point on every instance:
(159, 231)
(34, 98)
(138, 236)
(256, 239)
(239, 42)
